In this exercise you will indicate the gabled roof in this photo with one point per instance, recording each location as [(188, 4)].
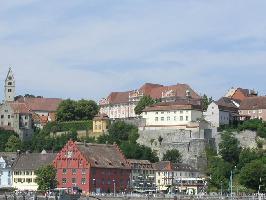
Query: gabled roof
[(18, 107), (226, 103), (41, 104), (252, 103), (177, 105), (32, 161), (103, 155), (9, 157), (155, 91)]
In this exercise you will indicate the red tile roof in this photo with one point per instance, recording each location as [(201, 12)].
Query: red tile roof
[(41, 104), (253, 103), (18, 107), (103, 155), (155, 91), (168, 106)]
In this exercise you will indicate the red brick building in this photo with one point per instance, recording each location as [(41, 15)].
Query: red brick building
[(92, 167)]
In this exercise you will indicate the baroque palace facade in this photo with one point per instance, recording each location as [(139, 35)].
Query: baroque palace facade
[(121, 105)]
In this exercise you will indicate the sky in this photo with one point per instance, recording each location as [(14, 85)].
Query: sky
[(89, 48)]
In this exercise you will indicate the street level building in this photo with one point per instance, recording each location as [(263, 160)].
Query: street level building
[(177, 177), (24, 177), (92, 167), (142, 178), (7, 160)]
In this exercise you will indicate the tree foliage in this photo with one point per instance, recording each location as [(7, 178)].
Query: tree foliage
[(144, 101), (126, 135), (229, 148), (70, 110), (206, 102), (172, 155), (4, 135), (253, 174), (46, 178), (13, 144)]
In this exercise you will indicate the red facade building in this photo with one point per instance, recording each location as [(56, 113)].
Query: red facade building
[(92, 167)]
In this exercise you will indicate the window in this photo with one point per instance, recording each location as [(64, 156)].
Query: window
[(73, 180), (175, 118), (186, 118), (181, 118), (9, 83), (156, 113), (162, 118), (8, 116), (181, 111), (2, 116), (26, 117), (260, 111), (175, 112), (156, 119), (64, 181), (9, 90), (83, 171), (74, 171), (254, 111), (28, 180), (83, 181), (64, 171), (248, 111), (26, 123), (168, 118), (162, 112), (9, 123)]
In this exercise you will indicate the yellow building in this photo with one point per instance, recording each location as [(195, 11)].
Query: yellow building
[(100, 123), (24, 177)]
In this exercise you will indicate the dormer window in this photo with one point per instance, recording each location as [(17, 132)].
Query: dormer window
[(9, 83), (96, 163)]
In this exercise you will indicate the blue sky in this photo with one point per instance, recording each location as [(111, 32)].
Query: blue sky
[(88, 48)]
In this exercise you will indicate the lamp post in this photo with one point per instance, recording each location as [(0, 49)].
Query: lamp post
[(231, 183), (94, 185), (114, 187), (221, 188)]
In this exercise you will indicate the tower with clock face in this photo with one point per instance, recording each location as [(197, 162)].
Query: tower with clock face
[(10, 86)]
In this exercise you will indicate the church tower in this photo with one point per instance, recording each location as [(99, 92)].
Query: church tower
[(10, 86)]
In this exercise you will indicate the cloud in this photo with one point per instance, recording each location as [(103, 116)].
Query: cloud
[(86, 49)]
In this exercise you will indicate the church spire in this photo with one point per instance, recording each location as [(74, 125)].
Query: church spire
[(10, 86)]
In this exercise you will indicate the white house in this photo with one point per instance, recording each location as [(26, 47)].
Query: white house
[(172, 115), (6, 163), (177, 177), (222, 112)]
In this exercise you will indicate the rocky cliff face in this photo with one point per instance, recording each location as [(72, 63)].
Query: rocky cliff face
[(190, 144)]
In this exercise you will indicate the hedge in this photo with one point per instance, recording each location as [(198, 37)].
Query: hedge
[(67, 126)]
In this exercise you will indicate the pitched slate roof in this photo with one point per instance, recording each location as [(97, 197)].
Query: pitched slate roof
[(169, 166), (9, 157), (226, 103), (252, 103), (103, 155), (177, 105), (32, 161), (41, 104), (153, 90), (140, 164)]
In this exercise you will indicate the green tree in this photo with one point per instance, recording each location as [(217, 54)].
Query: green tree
[(66, 110), (86, 109), (119, 131), (70, 110), (253, 174), (144, 101), (206, 102), (229, 148), (4, 135), (247, 155), (172, 155), (13, 144), (46, 178)]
